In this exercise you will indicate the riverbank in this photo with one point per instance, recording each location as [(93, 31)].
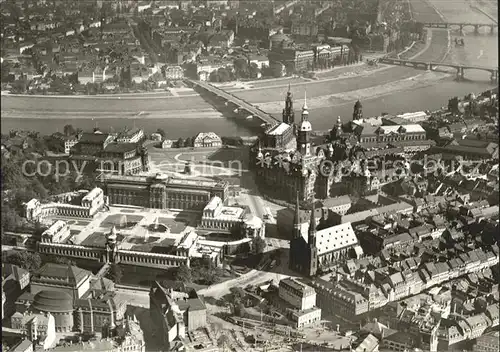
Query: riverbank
[(97, 115), (418, 80)]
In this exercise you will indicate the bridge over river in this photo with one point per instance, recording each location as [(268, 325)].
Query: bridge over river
[(241, 105), (461, 26), (433, 66)]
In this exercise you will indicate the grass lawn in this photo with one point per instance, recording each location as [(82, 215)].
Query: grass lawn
[(117, 219), (164, 246), (98, 239), (230, 156), (176, 225)]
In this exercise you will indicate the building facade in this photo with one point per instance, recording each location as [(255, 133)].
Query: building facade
[(207, 140), (175, 312), (284, 170), (323, 248), (163, 192)]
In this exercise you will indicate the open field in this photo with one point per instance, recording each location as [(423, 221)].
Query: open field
[(320, 88), (98, 105), (204, 163)]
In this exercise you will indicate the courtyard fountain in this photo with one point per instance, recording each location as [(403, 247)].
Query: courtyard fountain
[(157, 227)]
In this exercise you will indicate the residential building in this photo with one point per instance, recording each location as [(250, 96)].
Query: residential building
[(99, 151), (174, 73), (302, 299), (36, 327), (130, 135), (298, 294), (488, 342), (469, 149), (305, 28), (175, 311), (167, 144), (207, 140), (14, 281), (294, 59)]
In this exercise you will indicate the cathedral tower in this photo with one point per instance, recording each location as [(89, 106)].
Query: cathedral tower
[(357, 114), (304, 132), (311, 243), (288, 113)]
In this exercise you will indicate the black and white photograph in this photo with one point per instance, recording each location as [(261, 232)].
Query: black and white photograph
[(249, 175)]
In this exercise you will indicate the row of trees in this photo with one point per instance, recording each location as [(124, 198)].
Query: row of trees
[(200, 273)]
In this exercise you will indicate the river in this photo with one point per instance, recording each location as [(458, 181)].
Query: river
[(479, 50)]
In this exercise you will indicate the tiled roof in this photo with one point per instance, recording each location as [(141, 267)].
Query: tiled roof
[(62, 271), (335, 238), (93, 138)]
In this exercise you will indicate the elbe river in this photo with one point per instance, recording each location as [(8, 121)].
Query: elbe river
[(479, 50)]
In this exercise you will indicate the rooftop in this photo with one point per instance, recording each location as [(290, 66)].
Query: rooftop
[(297, 285), (62, 272), (335, 238)]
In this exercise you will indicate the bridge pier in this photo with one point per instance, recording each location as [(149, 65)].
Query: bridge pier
[(476, 29), (461, 28), (494, 76), (428, 66), (460, 73), (492, 30)]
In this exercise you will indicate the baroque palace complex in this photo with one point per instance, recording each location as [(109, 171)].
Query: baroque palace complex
[(290, 158)]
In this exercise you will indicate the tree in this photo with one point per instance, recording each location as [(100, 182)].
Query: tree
[(69, 130), (184, 274), (180, 143), (162, 132), (24, 259), (20, 86), (224, 75), (239, 309), (258, 245), (10, 219), (115, 273), (214, 77), (253, 70), (189, 142), (223, 341)]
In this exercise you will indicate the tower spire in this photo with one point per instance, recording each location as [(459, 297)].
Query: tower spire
[(305, 102), (312, 221)]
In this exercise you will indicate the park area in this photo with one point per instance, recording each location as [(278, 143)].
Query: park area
[(210, 162)]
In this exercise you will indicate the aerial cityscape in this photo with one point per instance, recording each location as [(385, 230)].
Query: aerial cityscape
[(254, 175)]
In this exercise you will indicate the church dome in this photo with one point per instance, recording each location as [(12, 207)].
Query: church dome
[(53, 302)]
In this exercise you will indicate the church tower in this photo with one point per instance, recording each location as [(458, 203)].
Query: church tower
[(304, 132), (288, 113), (298, 244), (311, 243), (336, 130), (296, 220), (357, 114)]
